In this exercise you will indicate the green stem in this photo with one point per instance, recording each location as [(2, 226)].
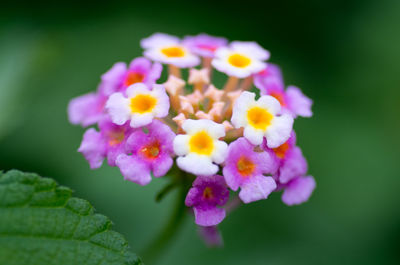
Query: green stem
[(156, 248)]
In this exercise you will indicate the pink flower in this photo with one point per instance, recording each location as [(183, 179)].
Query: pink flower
[(150, 153), (291, 169), (89, 109), (120, 76), (245, 168), (108, 142), (204, 45), (207, 193), (292, 100), (289, 160)]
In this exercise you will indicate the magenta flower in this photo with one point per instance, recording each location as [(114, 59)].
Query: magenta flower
[(293, 101), (204, 44), (120, 76), (292, 166), (270, 77), (150, 153), (289, 160), (245, 167), (207, 193), (108, 142), (89, 109)]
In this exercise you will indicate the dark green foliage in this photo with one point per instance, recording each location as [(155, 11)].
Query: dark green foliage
[(40, 223)]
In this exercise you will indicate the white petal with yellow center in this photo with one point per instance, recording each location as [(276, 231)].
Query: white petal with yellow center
[(260, 119), (174, 54), (240, 63), (199, 148), (140, 106)]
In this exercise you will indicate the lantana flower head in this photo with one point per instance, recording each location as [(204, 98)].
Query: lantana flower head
[(168, 49), (240, 59), (144, 126)]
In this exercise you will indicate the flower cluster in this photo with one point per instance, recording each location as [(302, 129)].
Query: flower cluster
[(230, 138)]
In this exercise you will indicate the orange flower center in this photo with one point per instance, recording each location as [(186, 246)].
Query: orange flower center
[(245, 166), (279, 96), (133, 78), (152, 150), (281, 150), (142, 103), (115, 137)]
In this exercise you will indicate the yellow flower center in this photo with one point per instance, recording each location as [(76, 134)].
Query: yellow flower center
[(208, 193), (143, 103), (281, 150), (201, 143), (152, 150), (174, 51), (239, 60), (245, 166), (115, 137), (259, 118)]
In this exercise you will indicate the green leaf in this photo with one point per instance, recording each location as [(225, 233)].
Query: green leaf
[(40, 223)]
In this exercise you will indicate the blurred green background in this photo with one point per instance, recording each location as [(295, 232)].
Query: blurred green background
[(345, 55)]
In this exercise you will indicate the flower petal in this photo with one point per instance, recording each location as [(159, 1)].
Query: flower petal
[(134, 169), (257, 188), (279, 130), (208, 216), (298, 190)]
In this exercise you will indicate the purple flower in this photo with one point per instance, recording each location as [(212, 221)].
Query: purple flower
[(245, 167), (207, 193), (290, 160), (108, 142), (150, 153), (211, 236), (298, 190), (203, 44), (292, 100)]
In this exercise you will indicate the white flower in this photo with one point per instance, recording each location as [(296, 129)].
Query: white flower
[(140, 106), (200, 147), (241, 59), (168, 49), (259, 118)]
